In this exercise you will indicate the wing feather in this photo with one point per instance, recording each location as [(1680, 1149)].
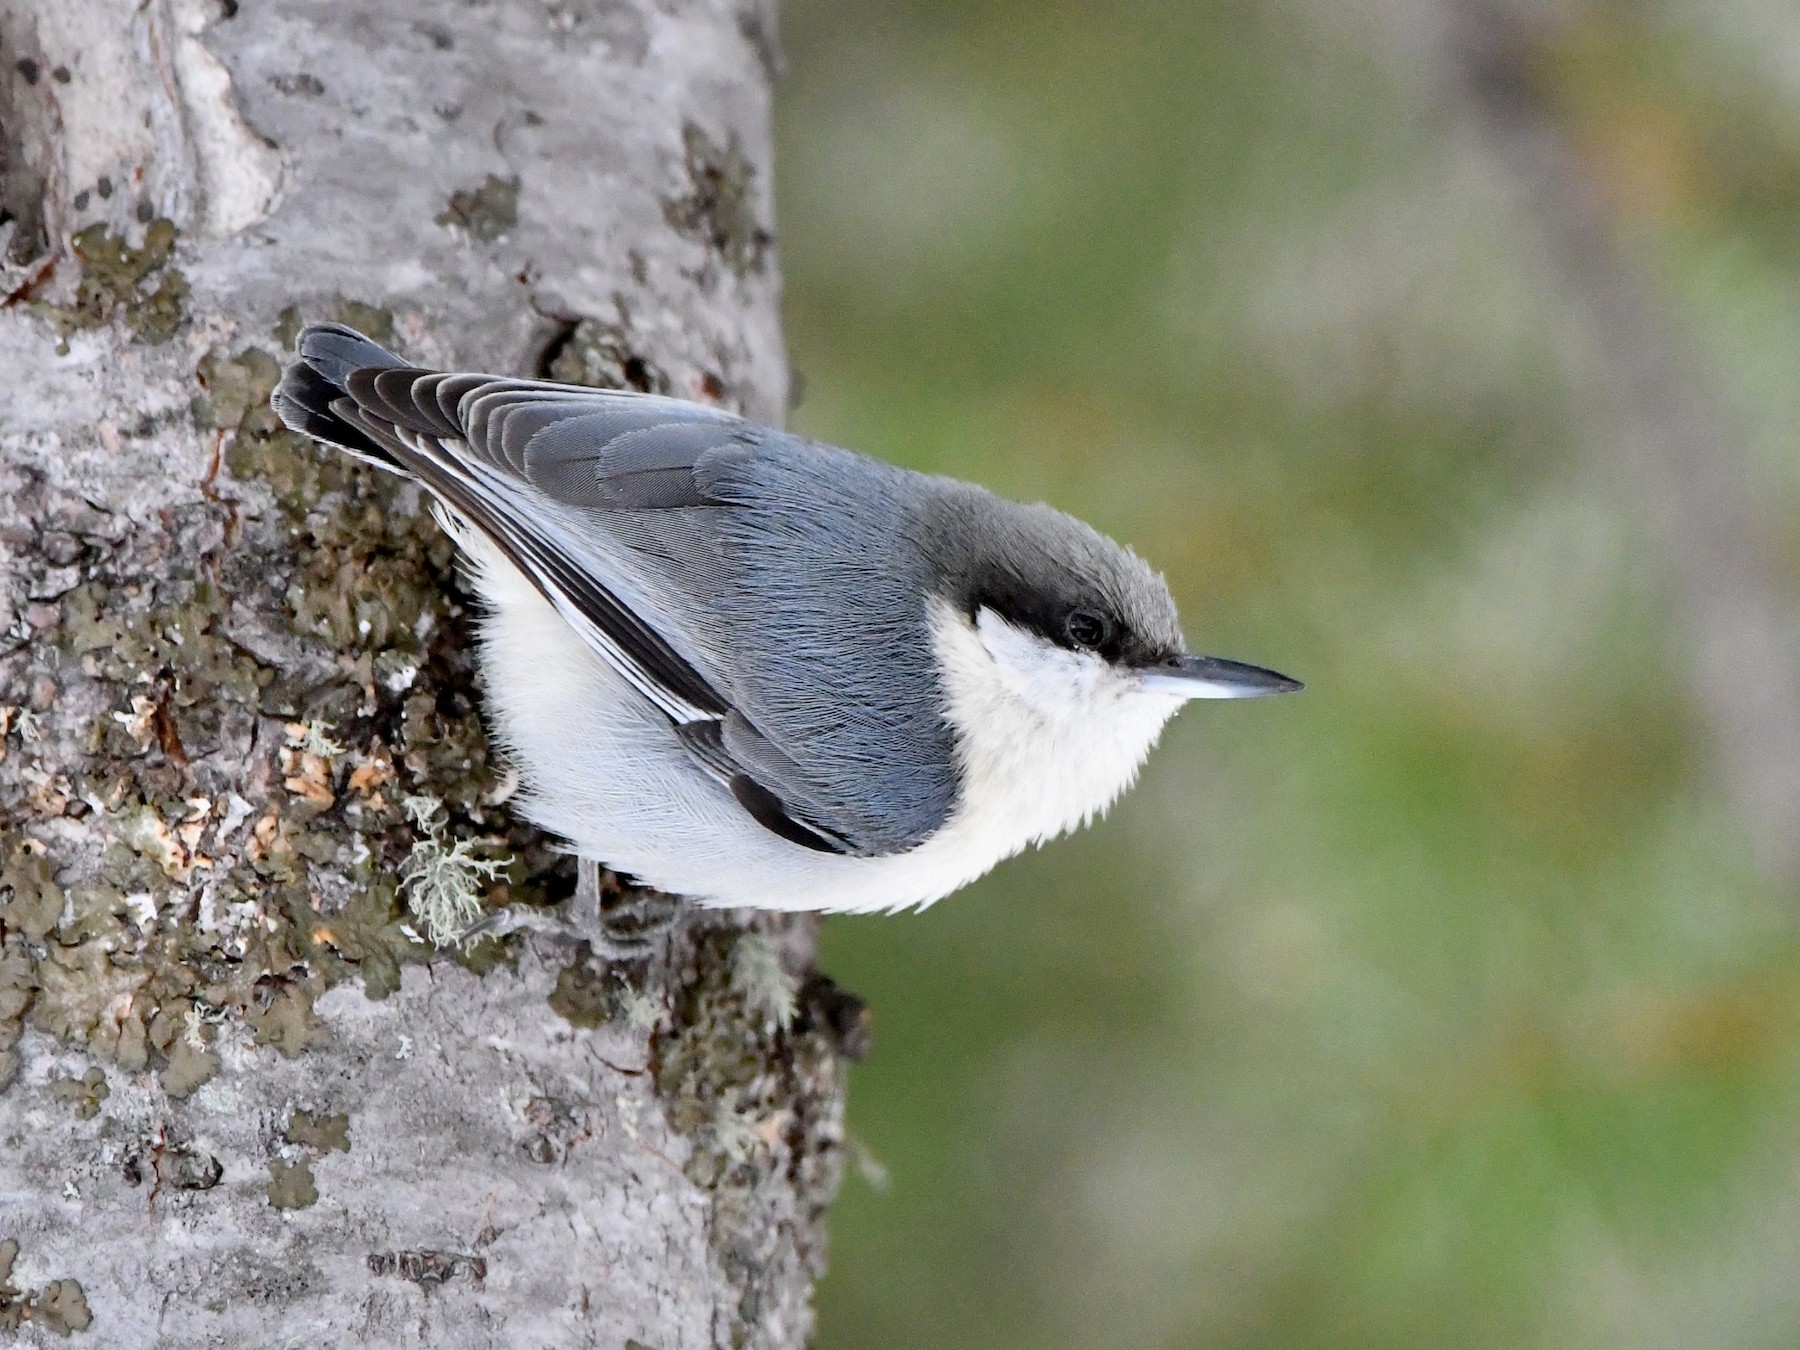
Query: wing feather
[(627, 512)]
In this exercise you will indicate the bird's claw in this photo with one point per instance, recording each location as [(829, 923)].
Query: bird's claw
[(626, 925)]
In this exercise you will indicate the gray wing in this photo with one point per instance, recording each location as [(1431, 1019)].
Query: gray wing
[(670, 535)]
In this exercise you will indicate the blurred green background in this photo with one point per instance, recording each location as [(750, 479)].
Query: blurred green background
[(1441, 1005)]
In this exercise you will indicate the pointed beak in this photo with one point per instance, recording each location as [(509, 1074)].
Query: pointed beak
[(1214, 677)]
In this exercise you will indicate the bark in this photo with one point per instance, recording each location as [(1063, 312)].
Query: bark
[(241, 1102)]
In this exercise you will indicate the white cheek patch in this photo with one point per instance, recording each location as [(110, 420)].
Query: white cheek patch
[(1047, 737), (1051, 680)]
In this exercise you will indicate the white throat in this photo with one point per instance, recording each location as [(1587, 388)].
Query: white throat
[(1047, 737)]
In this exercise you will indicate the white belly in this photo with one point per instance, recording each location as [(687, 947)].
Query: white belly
[(602, 768)]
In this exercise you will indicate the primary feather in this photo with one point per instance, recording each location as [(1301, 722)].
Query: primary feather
[(704, 558)]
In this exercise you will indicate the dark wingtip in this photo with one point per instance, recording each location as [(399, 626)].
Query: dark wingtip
[(768, 811), (338, 351), (329, 354)]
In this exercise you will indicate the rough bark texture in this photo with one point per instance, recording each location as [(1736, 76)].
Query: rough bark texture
[(241, 1103)]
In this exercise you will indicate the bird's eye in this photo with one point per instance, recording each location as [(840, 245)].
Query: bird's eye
[(1088, 628)]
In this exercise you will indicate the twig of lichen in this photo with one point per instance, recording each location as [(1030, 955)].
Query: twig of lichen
[(442, 879), (763, 980), (314, 738)]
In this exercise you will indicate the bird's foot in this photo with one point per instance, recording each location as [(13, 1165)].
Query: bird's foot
[(632, 922), (521, 919), (619, 923)]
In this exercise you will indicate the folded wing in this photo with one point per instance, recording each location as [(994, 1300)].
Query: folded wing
[(638, 519)]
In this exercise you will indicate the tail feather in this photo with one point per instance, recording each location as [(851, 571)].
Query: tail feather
[(355, 394), (330, 356), (337, 352)]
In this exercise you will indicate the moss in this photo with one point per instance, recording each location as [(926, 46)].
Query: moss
[(292, 1185), (116, 283), (486, 212), (84, 1093)]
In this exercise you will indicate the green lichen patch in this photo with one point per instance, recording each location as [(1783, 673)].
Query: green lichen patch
[(286, 1021), (84, 1093), (116, 283), (34, 902), (265, 676), (288, 326), (59, 1307), (486, 212), (18, 986), (190, 1067), (372, 320), (726, 1070), (292, 1185), (719, 207), (62, 1308), (761, 978), (320, 1133), (234, 386), (588, 995), (81, 992), (757, 1095)]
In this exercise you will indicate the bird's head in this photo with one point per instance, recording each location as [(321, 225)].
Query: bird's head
[(1071, 620)]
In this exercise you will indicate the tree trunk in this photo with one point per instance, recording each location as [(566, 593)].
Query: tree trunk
[(243, 1102)]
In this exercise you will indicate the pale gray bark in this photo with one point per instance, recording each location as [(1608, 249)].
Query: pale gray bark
[(240, 1103)]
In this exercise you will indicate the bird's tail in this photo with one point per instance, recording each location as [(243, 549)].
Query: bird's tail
[(313, 396)]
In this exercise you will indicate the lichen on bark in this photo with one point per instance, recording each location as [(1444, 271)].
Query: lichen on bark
[(236, 672), (261, 693)]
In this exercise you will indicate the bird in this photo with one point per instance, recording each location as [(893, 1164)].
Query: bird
[(754, 670)]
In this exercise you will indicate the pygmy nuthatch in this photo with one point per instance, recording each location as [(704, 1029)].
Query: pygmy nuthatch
[(752, 669)]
